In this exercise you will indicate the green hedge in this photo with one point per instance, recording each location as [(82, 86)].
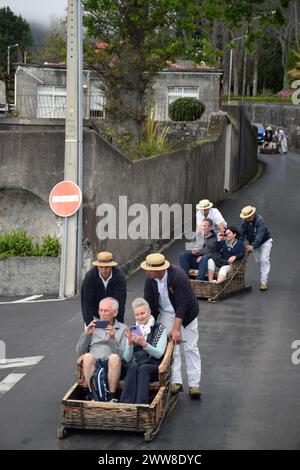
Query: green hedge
[(20, 243), (260, 99), (186, 109)]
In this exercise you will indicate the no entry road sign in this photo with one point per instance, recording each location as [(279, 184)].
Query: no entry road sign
[(65, 198)]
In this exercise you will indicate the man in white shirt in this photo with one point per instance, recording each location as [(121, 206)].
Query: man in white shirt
[(173, 302), (205, 209)]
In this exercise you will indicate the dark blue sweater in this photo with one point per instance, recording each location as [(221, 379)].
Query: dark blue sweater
[(256, 232), (93, 290), (225, 251)]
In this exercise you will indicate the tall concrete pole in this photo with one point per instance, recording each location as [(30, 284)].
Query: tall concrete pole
[(72, 138), (230, 73), (80, 140)]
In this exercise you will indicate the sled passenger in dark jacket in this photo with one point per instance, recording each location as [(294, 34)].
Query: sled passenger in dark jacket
[(228, 251), (103, 280)]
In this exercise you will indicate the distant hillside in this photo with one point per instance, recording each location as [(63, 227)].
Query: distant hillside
[(39, 31)]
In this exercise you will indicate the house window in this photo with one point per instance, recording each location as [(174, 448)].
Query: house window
[(51, 102), (175, 92), (97, 102)]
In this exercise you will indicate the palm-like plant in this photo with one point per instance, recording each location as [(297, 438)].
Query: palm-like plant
[(295, 72)]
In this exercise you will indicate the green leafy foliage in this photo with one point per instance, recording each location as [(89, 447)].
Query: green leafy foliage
[(129, 42), (186, 109), (20, 243), (153, 141), (13, 30)]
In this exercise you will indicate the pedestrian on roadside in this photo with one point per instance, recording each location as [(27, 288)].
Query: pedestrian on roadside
[(281, 139)]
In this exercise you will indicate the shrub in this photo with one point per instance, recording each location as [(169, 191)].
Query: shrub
[(186, 109), (153, 142), (20, 243), (286, 93)]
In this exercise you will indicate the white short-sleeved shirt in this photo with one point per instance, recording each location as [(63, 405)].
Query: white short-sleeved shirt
[(213, 214)]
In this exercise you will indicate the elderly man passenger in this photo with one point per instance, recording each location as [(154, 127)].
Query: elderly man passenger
[(205, 245), (105, 345)]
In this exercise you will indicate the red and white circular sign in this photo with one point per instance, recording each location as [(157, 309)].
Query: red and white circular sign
[(65, 198)]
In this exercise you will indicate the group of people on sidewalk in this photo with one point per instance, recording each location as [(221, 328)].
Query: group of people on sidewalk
[(169, 307)]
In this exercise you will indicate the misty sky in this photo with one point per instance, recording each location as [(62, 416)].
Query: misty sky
[(36, 10)]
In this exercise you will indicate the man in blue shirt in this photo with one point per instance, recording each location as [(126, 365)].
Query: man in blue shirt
[(254, 229)]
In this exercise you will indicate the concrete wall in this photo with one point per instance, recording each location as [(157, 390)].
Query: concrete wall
[(285, 115), (20, 208), (29, 275), (33, 160)]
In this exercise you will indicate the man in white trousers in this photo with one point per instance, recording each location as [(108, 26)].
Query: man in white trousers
[(173, 302), (254, 229)]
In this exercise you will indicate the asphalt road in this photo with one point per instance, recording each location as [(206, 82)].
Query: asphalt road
[(250, 386)]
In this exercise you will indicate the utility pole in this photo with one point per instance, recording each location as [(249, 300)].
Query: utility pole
[(8, 57), (73, 144), (230, 65)]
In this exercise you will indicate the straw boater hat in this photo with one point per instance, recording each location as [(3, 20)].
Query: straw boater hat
[(204, 204), (155, 262), (105, 258), (247, 212), (269, 128)]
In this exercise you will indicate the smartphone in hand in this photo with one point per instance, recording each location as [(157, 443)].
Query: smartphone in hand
[(101, 323), (136, 330)]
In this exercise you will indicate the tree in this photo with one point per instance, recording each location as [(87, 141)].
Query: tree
[(130, 40), (13, 30)]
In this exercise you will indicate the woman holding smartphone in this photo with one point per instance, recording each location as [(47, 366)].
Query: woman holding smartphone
[(146, 344)]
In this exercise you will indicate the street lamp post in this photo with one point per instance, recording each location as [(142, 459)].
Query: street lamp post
[(8, 56), (230, 66)]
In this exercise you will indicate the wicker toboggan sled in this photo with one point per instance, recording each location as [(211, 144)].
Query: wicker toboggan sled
[(214, 292), (79, 413)]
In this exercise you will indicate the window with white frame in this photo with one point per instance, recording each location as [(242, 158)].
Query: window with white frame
[(97, 101), (51, 101), (175, 92)]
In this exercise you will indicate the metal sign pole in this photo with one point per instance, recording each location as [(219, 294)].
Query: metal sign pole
[(63, 260)]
